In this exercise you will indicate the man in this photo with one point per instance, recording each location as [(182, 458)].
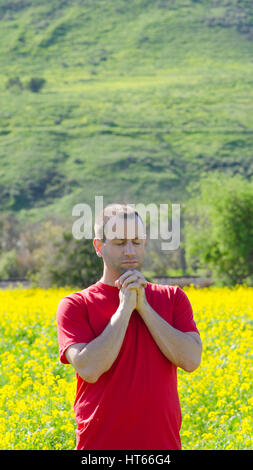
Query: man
[(125, 338)]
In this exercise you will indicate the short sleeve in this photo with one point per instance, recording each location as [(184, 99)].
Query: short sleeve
[(72, 324), (182, 312)]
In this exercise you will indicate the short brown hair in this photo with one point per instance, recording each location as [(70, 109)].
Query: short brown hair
[(110, 211)]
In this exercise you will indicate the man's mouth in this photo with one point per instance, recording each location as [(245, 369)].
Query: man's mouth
[(129, 262)]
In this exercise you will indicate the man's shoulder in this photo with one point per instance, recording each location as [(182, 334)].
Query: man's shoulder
[(79, 296), (163, 289), (76, 296), (73, 303)]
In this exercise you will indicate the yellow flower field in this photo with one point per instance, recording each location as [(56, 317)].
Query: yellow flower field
[(37, 392)]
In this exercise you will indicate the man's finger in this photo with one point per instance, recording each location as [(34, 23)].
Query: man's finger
[(140, 279), (124, 276)]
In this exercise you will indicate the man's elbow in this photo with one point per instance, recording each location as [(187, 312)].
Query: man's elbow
[(84, 370), (88, 376), (191, 365), (90, 379)]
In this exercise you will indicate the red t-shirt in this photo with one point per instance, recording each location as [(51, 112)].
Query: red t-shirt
[(135, 404)]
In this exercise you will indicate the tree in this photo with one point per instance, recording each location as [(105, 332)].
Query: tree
[(25, 248), (162, 263), (9, 230), (219, 228), (14, 82), (8, 265), (74, 263), (35, 84)]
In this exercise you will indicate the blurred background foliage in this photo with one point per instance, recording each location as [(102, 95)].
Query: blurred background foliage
[(139, 101)]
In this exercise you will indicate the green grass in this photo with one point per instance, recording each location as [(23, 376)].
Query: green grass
[(139, 99)]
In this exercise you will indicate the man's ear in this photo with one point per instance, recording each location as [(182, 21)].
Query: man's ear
[(98, 246)]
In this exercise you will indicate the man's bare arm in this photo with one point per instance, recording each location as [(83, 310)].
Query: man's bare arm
[(91, 360), (183, 349)]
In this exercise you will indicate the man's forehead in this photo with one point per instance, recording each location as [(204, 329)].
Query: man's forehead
[(119, 229)]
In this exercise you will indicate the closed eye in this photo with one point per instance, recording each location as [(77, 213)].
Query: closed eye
[(123, 242)]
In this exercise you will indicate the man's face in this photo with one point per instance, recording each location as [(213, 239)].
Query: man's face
[(125, 249)]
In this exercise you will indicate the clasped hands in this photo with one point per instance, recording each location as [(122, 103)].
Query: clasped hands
[(140, 290)]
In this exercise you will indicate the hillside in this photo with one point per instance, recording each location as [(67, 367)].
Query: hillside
[(139, 98)]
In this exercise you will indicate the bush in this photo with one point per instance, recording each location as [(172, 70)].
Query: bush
[(8, 265), (14, 82), (219, 228), (35, 84), (73, 263)]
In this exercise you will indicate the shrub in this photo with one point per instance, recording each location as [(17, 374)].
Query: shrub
[(35, 84), (14, 82), (73, 262)]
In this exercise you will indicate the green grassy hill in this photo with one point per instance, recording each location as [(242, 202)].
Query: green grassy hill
[(140, 97)]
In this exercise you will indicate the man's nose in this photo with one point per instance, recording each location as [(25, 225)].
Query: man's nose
[(129, 248)]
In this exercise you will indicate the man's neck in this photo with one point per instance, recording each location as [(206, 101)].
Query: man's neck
[(109, 281)]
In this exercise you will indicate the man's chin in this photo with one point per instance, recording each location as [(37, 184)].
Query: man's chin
[(128, 267)]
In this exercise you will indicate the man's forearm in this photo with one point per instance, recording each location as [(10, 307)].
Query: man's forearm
[(98, 356), (180, 348)]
